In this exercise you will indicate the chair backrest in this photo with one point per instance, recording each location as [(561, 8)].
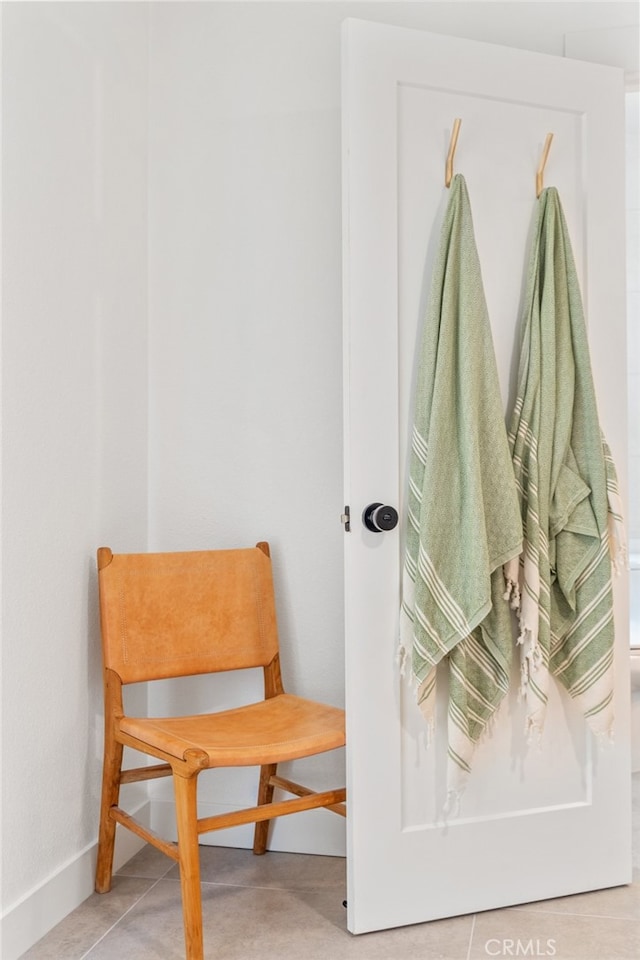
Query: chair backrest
[(175, 614)]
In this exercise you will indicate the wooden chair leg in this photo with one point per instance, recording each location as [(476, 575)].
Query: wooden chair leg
[(189, 860), (107, 833), (265, 795)]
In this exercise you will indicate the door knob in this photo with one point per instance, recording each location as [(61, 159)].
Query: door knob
[(378, 517)]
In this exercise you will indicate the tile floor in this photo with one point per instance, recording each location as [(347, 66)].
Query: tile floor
[(290, 906)]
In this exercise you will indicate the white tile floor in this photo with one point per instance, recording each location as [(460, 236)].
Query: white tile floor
[(290, 906)]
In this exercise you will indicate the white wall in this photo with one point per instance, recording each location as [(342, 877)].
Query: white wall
[(245, 333), (245, 310), (74, 412)]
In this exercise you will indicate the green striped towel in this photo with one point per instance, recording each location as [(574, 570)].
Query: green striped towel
[(567, 487), (463, 519)]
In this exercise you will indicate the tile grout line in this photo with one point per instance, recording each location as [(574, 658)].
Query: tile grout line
[(121, 917), (257, 886), (170, 867), (570, 913), (473, 927)]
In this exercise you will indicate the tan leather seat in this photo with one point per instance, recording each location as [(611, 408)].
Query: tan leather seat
[(282, 728), (176, 614)]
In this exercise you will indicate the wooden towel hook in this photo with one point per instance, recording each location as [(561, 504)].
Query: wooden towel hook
[(453, 143), (542, 165)]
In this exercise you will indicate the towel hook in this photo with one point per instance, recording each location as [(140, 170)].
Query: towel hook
[(543, 163), (453, 143)]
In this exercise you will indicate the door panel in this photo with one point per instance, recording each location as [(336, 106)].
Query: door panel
[(525, 808)]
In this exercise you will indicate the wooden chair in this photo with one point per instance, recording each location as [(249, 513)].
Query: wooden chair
[(177, 614)]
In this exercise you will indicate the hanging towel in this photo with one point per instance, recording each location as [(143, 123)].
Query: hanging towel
[(567, 488), (463, 518)]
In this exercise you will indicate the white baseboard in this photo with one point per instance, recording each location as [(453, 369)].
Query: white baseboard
[(27, 921), (312, 831)]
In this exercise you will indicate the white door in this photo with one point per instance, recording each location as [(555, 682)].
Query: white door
[(534, 823)]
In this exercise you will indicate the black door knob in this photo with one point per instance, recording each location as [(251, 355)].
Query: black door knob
[(378, 517)]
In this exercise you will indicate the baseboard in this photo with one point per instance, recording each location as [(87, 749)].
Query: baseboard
[(27, 921), (312, 831)]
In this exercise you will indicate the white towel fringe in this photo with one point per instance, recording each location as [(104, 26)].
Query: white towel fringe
[(605, 738), (533, 731), (429, 732), (403, 662), (451, 806), (618, 554), (512, 593), (615, 524), (489, 727), (401, 659), (531, 658)]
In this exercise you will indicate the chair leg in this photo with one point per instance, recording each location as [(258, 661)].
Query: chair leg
[(265, 795), (189, 859), (107, 833)]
